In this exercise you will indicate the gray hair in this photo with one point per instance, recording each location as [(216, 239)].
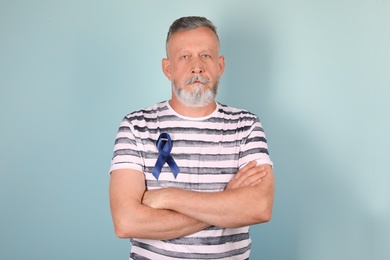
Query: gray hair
[(189, 23)]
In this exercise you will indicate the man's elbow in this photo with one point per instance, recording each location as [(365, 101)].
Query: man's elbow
[(263, 216), (254, 217), (121, 233), (123, 230)]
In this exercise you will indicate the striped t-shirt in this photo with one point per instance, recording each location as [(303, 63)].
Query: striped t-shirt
[(208, 151)]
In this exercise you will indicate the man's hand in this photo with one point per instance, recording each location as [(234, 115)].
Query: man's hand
[(249, 175)]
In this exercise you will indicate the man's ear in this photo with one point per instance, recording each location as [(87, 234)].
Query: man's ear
[(166, 68), (221, 65)]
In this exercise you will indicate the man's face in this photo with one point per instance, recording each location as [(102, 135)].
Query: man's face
[(194, 53)]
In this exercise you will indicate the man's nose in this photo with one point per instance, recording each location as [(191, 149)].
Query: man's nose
[(197, 67), (197, 70)]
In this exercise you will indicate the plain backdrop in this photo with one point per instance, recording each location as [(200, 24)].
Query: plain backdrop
[(317, 73)]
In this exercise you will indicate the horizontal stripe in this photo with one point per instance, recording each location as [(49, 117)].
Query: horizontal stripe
[(183, 255), (210, 240)]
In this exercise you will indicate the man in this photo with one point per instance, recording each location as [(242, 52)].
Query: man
[(189, 175)]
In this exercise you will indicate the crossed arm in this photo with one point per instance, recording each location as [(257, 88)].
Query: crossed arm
[(171, 213)]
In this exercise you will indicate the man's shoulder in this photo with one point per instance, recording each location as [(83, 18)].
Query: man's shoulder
[(227, 110), (150, 111)]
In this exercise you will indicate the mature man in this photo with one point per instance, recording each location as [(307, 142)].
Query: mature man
[(189, 175)]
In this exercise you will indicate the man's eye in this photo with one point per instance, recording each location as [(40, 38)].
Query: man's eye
[(184, 57), (205, 56)]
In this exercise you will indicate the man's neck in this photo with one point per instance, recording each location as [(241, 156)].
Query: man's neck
[(187, 111)]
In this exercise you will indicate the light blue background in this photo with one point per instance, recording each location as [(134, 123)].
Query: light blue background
[(317, 73)]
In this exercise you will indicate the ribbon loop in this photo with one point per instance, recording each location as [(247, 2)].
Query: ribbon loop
[(164, 147)]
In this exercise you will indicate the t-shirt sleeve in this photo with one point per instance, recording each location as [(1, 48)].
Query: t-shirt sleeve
[(127, 154), (255, 146)]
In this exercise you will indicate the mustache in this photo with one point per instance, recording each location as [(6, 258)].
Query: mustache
[(196, 78)]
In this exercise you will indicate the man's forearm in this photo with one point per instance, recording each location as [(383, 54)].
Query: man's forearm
[(149, 223), (230, 208), (132, 219)]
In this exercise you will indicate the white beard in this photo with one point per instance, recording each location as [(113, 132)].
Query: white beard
[(198, 96)]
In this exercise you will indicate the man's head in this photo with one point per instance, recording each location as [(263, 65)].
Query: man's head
[(193, 64), (189, 23)]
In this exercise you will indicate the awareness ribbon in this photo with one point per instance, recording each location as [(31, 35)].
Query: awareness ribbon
[(164, 147)]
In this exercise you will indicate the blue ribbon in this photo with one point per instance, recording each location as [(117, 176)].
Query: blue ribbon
[(164, 147)]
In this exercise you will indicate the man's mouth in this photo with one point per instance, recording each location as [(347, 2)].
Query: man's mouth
[(196, 80)]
